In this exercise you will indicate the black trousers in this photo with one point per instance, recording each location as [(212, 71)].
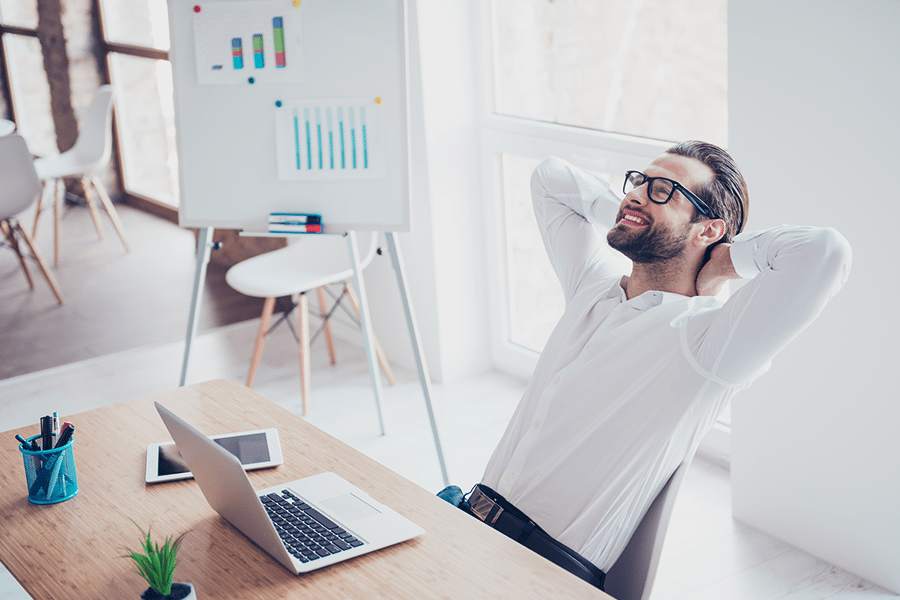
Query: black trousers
[(516, 525)]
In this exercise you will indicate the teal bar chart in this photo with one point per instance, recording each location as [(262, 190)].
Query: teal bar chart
[(328, 139)]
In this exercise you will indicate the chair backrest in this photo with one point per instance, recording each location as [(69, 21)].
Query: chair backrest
[(20, 185), (330, 251), (94, 144), (631, 578)]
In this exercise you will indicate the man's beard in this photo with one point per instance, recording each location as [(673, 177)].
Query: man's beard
[(650, 245)]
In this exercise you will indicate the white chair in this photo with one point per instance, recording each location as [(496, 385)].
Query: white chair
[(85, 160), (631, 578), (309, 263), (20, 187)]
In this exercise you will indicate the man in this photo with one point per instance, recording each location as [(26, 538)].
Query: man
[(639, 365)]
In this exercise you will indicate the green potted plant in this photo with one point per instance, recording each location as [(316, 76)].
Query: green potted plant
[(156, 564)]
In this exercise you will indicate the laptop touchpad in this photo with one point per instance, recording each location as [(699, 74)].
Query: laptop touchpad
[(348, 508)]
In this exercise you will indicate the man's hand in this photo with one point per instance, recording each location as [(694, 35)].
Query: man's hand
[(717, 270)]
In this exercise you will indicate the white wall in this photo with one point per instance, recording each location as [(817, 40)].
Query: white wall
[(444, 251), (814, 94)]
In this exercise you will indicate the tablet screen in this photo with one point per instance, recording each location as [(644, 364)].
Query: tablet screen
[(249, 449)]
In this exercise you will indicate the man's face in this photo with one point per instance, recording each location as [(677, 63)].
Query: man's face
[(666, 229)]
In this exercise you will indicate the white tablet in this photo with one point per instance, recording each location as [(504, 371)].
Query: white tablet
[(256, 449)]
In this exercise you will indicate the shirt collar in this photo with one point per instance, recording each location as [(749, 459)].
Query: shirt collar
[(648, 299)]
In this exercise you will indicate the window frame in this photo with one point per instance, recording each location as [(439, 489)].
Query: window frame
[(7, 86), (106, 48), (501, 133)]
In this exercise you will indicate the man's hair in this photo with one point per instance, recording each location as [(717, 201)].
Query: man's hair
[(726, 193)]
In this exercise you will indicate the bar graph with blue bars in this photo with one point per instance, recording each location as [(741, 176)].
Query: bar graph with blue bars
[(331, 139)]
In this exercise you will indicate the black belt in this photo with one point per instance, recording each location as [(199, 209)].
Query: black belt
[(488, 506)]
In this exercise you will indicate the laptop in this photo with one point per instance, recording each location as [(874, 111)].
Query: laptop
[(304, 524)]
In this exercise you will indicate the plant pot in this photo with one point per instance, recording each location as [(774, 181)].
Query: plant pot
[(180, 591)]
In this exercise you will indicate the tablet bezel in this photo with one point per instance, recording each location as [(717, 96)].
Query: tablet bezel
[(272, 441)]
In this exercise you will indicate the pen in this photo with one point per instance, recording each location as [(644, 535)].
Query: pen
[(54, 433), (23, 441)]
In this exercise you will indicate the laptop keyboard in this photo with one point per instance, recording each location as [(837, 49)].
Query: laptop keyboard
[(308, 534)]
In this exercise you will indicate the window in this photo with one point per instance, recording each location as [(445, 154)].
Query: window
[(136, 40), (607, 85), (651, 68), (30, 93)]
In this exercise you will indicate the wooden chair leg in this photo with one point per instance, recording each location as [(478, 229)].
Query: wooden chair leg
[(59, 195), (39, 207), (323, 311), (379, 353), (51, 281), (92, 206), (264, 319), (110, 210), (14, 244), (303, 333)]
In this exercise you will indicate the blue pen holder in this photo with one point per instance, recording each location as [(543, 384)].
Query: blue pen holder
[(50, 474)]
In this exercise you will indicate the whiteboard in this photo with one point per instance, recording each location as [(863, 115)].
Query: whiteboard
[(291, 105)]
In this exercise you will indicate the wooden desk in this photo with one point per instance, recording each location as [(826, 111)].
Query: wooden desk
[(74, 549)]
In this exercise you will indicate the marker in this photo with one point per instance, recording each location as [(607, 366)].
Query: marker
[(295, 219), (54, 432), (281, 228), (66, 435), (46, 432)]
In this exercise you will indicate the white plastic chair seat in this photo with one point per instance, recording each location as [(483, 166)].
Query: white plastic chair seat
[(67, 164), (304, 265)]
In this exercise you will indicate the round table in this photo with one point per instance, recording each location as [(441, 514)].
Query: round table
[(6, 127)]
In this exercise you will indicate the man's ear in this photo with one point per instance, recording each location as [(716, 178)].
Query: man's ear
[(713, 231)]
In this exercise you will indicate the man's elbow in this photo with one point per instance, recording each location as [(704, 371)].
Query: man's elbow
[(546, 171), (836, 255)]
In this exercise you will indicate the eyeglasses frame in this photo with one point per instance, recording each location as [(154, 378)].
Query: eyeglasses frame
[(694, 199)]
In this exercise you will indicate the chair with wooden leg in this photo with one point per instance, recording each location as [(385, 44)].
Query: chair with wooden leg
[(311, 263), (19, 190), (86, 160)]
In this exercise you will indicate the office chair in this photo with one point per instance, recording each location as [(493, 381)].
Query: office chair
[(631, 578), (85, 160), (19, 189)]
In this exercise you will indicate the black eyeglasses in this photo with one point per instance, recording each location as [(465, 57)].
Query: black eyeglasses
[(660, 190)]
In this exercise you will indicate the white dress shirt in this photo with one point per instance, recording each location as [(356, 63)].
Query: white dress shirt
[(625, 390)]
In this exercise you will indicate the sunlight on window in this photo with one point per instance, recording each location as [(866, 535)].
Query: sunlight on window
[(535, 297), (143, 89), (651, 68), (137, 22)]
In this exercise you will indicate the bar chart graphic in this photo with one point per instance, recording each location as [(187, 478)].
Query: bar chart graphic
[(247, 42), (329, 139)]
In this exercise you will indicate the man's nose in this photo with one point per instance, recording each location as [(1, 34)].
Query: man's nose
[(637, 196)]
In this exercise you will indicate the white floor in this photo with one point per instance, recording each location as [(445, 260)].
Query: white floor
[(707, 555)]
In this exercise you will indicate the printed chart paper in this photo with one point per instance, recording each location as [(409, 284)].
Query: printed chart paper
[(329, 139), (247, 42)]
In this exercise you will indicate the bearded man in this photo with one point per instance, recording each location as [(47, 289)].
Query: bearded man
[(639, 366)]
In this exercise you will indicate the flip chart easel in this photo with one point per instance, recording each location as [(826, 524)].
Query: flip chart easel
[(205, 245), (249, 76)]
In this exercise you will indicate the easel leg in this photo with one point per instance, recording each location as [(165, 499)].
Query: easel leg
[(366, 324), (424, 378), (204, 242)]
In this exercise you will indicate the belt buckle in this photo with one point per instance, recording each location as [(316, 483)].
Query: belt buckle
[(484, 508)]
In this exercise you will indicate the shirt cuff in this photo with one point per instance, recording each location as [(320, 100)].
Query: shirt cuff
[(743, 258)]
